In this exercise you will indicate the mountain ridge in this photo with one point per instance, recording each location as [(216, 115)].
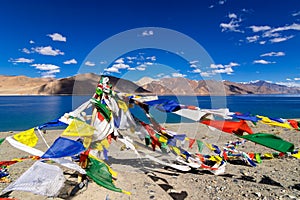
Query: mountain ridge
[(85, 84)]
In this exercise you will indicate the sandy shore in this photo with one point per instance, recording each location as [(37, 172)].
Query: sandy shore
[(277, 178)]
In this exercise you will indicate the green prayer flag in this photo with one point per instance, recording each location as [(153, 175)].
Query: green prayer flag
[(99, 172), (257, 158), (271, 141), (102, 108), (2, 140), (200, 145)]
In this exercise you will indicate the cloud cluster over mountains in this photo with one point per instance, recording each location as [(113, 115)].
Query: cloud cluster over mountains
[(45, 69)]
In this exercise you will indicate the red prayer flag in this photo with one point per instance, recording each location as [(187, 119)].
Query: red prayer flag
[(191, 142), (229, 126)]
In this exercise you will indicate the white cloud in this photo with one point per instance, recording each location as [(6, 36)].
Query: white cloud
[(220, 66), (89, 63), (152, 58), (289, 84), (294, 26), (260, 28), (264, 62), (270, 35), (72, 61), (46, 67), (288, 79), (31, 42), (57, 37), (214, 66), (296, 14), (221, 2), (148, 33), (25, 50), (141, 68), (112, 69), (48, 51), (281, 39), (297, 79), (131, 69), (121, 66), (252, 38), (193, 62), (131, 58), (273, 54), (148, 63), (116, 67), (120, 60), (233, 25), (196, 71), (232, 16), (103, 62), (223, 69), (205, 74), (21, 60), (160, 75), (178, 75), (262, 42), (50, 73), (227, 70)]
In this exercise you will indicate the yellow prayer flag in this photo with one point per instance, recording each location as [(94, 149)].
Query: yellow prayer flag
[(210, 146), (215, 158), (296, 155), (27, 137), (176, 150), (103, 143), (123, 105), (268, 155), (163, 139), (78, 128)]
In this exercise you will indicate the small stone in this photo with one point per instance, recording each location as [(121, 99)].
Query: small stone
[(258, 194), (208, 187)]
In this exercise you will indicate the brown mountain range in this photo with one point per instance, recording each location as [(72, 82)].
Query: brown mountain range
[(84, 84), (183, 86)]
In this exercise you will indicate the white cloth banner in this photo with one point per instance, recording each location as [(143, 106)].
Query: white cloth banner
[(40, 178)]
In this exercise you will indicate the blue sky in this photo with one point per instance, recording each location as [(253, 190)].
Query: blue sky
[(225, 39)]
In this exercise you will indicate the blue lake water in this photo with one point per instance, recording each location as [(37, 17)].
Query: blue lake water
[(24, 112)]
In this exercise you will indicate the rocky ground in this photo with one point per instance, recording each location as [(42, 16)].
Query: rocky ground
[(277, 178)]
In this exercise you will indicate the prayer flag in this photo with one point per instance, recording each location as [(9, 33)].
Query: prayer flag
[(200, 145), (99, 172), (191, 142), (78, 128), (63, 147), (271, 141), (27, 137), (229, 126), (1, 140), (257, 158), (41, 178)]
